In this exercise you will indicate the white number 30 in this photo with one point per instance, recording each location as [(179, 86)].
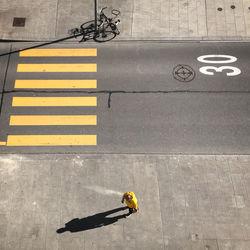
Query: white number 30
[(229, 59), (205, 70)]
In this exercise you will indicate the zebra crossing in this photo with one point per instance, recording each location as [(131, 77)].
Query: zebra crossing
[(45, 111)]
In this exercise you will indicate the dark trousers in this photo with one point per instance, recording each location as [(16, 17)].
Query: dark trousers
[(130, 210)]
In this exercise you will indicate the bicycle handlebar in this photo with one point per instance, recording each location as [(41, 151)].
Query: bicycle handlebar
[(101, 11), (102, 16)]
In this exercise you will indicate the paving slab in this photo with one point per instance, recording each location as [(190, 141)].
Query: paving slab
[(41, 193), (40, 23), (141, 19)]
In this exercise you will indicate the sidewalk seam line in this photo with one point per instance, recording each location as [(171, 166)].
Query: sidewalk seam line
[(132, 22), (162, 227), (206, 16), (56, 16)]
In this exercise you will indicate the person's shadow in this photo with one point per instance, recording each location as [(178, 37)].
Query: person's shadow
[(91, 222)]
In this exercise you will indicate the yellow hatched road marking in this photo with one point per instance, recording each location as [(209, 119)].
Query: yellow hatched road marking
[(58, 52), (2, 143), (51, 140), (39, 120), (53, 101), (72, 67), (55, 84)]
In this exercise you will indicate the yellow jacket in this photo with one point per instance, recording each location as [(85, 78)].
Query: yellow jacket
[(131, 203)]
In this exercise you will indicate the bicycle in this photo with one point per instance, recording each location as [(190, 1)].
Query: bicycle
[(106, 28)]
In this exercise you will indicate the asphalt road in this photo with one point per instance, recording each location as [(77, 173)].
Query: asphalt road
[(141, 106)]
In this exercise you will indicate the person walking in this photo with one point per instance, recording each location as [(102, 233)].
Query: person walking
[(131, 202)]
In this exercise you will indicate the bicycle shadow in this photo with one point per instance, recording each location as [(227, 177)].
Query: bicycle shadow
[(93, 221)]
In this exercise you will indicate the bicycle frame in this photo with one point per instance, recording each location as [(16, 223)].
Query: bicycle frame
[(106, 28), (109, 20)]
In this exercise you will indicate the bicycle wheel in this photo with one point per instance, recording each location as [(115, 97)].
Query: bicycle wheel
[(90, 25), (104, 36), (88, 36)]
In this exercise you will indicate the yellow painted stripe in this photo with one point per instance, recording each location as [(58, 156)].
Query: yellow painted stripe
[(73, 67), (51, 140), (55, 84), (2, 143), (53, 101), (39, 120), (58, 52)]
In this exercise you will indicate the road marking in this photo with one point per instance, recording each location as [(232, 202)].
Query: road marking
[(48, 101), (40, 120), (58, 52), (53, 101), (73, 67), (230, 59), (56, 84), (51, 140)]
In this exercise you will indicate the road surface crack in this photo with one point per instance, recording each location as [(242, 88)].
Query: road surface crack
[(111, 92)]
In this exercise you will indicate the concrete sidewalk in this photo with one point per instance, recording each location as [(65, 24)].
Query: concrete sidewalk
[(141, 19), (186, 202)]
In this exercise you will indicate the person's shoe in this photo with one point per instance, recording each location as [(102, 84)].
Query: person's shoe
[(126, 215)]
